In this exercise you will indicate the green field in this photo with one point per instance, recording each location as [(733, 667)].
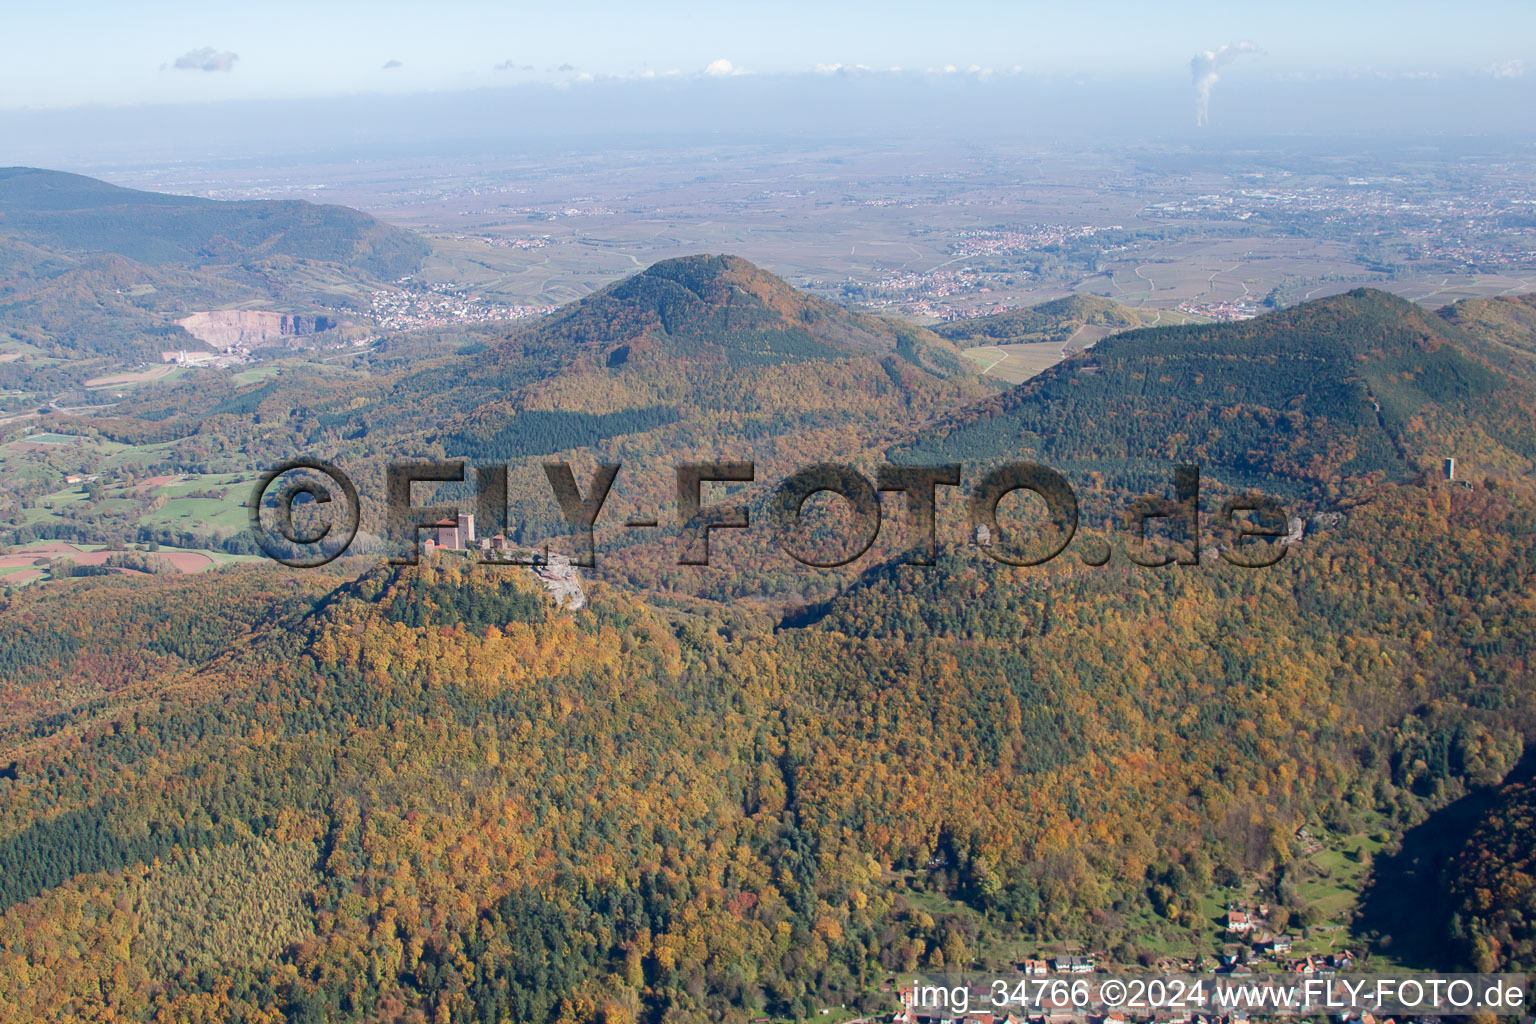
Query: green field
[(225, 514), (18, 347), (203, 504), (257, 373), (222, 515)]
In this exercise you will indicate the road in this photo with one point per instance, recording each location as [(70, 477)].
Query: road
[(993, 362)]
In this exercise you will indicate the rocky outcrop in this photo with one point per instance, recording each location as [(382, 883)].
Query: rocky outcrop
[(225, 329)]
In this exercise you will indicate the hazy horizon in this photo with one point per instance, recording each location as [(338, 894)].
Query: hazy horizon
[(1021, 109), (95, 85)]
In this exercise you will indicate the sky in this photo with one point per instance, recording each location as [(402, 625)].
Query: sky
[(105, 52)]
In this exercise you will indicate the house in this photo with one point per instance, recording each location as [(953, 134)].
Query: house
[(1316, 967), (1240, 922), (1073, 965)]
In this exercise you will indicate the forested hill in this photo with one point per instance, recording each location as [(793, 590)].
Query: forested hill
[(1056, 320), (429, 792), (1506, 327), (74, 212), (714, 338), (88, 269), (1356, 385), (719, 311), (1490, 884)]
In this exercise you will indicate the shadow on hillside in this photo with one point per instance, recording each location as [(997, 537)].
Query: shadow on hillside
[(1403, 911)]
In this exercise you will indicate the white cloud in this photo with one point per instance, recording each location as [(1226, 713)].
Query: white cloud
[(206, 58), (842, 70)]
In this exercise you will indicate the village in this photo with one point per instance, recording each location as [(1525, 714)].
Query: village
[(996, 1004), (412, 306), (1081, 987), (1073, 989)]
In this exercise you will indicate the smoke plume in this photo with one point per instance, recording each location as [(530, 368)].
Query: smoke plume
[(1203, 65)]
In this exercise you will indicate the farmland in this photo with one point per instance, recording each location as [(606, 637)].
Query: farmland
[(41, 560), (87, 492), (1016, 363), (123, 380)]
